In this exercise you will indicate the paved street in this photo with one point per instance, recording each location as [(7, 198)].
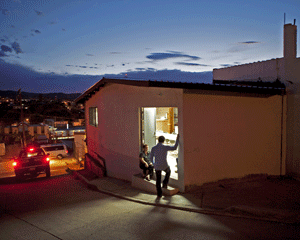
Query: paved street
[(63, 208), (57, 167)]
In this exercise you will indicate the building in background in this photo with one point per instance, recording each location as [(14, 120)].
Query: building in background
[(287, 71)]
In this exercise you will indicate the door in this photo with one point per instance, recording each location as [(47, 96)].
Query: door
[(150, 127)]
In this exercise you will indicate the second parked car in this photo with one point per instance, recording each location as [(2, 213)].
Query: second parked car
[(58, 150)]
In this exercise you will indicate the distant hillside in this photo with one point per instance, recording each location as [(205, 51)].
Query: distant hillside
[(27, 95)]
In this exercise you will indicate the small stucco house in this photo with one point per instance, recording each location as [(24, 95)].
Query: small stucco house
[(245, 122), (225, 130)]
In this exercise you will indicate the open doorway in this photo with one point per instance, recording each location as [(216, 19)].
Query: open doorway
[(161, 121)]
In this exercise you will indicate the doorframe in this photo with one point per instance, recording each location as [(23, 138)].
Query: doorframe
[(142, 137)]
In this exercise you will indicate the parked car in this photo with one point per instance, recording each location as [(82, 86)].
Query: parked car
[(32, 161), (58, 150)]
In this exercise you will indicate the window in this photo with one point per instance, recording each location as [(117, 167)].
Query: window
[(93, 115)]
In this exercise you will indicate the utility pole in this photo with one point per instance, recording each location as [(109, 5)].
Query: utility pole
[(22, 117)]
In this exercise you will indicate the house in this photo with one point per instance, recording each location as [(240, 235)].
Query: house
[(287, 71), (225, 130), (35, 130)]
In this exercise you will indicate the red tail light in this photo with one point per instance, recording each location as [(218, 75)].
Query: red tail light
[(31, 149), (15, 164), (47, 159), (66, 151)]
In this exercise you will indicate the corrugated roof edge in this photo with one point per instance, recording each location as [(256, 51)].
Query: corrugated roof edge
[(267, 88)]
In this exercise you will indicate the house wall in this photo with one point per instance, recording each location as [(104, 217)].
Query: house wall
[(117, 138), (287, 70), (267, 71), (231, 136)]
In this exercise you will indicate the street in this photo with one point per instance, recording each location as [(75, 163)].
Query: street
[(57, 167), (63, 208)]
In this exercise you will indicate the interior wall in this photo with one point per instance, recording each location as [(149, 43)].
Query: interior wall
[(230, 137)]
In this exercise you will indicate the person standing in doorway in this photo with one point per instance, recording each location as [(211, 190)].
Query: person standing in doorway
[(158, 156)]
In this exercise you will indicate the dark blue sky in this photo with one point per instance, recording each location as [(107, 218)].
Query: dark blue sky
[(59, 45)]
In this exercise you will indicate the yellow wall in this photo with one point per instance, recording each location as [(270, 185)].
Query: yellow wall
[(230, 136)]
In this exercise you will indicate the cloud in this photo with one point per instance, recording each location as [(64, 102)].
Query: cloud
[(2, 54), (191, 64), (36, 31), (63, 29), (115, 53), (16, 47), (15, 77), (5, 48), (242, 46), (39, 13), (249, 42), (90, 55), (4, 11), (170, 55), (225, 65), (166, 75), (236, 49)]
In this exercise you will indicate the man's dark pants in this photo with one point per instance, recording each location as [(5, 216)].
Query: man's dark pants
[(165, 181)]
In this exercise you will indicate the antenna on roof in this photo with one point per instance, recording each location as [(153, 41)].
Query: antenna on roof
[(294, 21), (284, 18)]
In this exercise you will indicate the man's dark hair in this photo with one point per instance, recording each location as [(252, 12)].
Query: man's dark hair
[(161, 139)]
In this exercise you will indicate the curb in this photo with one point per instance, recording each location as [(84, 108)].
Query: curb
[(235, 211)]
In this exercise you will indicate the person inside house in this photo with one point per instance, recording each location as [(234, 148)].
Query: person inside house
[(158, 156), (145, 163)]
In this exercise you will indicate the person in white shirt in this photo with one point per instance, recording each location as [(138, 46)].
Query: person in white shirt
[(158, 156)]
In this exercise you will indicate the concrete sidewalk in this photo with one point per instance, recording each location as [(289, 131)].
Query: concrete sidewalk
[(260, 197)]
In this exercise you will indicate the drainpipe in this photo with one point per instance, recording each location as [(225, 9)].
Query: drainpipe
[(281, 137)]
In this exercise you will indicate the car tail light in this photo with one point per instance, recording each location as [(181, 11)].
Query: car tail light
[(47, 159), (15, 164), (66, 151), (31, 149)]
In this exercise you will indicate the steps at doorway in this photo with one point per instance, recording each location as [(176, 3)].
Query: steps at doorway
[(150, 186)]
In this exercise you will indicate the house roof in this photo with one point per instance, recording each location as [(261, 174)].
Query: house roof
[(264, 88)]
